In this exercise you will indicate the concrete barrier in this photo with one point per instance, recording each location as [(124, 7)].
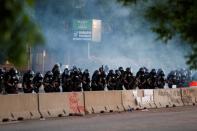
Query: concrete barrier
[(61, 104), (103, 101), (75, 102), (167, 97), (18, 107), (129, 101), (189, 95), (144, 98)]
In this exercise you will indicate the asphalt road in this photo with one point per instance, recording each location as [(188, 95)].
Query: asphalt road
[(166, 119)]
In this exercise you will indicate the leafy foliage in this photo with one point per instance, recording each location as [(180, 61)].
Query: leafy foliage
[(171, 18), (18, 31)]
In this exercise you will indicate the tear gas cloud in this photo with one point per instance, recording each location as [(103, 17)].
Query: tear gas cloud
[(126, 36)]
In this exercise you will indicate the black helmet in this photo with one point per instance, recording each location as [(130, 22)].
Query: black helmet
[(66, 71), (56, 69), (117, 72), (173, 73), (120, 68), (56, 66), (128, 69), (96, 72), (160, 71), (49, 74), (153, 71), (74, 69), (142, 70), (146, 69), (30, 73), (86, 71), (39, 75), (13, 71), (111, 71)]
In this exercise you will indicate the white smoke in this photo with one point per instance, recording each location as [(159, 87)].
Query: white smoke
[(126, 38)]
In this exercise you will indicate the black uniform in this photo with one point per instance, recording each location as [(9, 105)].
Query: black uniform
[(28, 81), (128, 79), (98, 80), (94, 85), (76, 79), (172, 79), (111, 80), (86, 80), (48, 82), (56, 79), (121, 70), (2, 73), (160, 79), (66, 81), (152, 80), (11, 81), (101, 79), (119, 83), (141, 78), (37, 82)]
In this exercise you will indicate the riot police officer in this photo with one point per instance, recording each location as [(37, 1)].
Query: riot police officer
[(172, 79), (95, 80), (56, 79), (160, 79), (48, 82), (101, 79), (119, 80), (128, 79), (86, 80), (66, 81), (111, 80), (37, 82), (76, 79), (121, 70), (141, 78), (98, 80), (11, 81), (152, 79), (2, 73), (28, 81)]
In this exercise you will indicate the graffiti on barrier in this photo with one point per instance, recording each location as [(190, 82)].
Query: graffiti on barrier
[(74, 103)]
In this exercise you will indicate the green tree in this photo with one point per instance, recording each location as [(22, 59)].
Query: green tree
[(173, 18), (18, 31)]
